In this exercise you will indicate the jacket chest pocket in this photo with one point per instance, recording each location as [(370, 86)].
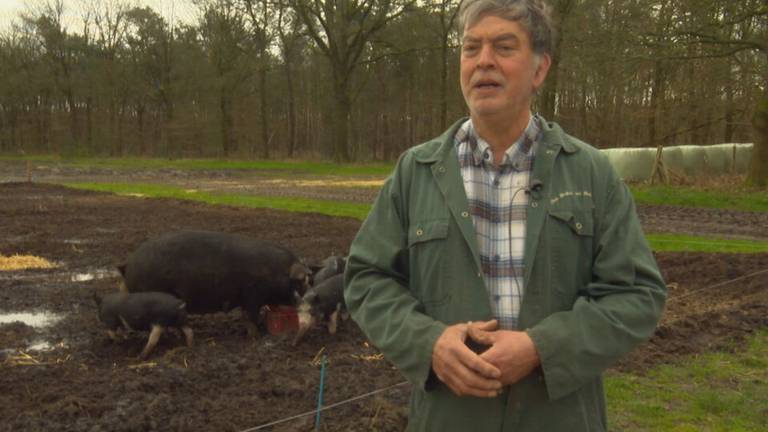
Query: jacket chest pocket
[(579, 222), (571, 235), (427, 241)]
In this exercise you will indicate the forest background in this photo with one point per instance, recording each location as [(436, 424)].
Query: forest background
[(360, 80)]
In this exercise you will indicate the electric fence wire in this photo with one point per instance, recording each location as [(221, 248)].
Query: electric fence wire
[(717, 285), (334, 405)]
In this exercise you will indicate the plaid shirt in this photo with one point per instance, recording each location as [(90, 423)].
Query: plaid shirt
[(497, 202)]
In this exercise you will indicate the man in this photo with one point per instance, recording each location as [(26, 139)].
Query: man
[(502, 268)]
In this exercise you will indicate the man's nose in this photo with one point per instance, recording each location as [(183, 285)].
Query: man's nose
[(486, 58)]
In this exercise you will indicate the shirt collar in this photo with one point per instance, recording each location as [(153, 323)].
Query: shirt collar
[(481, 150)]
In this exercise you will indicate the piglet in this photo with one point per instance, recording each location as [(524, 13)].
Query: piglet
[(143, 311), (323, 302)]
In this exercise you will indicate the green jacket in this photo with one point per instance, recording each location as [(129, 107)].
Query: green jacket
[(592, 287)]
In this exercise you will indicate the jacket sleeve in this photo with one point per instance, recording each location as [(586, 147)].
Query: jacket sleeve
[(376, 285), (616, 311)]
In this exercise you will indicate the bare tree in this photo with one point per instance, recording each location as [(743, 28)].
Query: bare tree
[(62, 53), (562, 11), (260, 21), (342, 29), (446, 11), (150, 42), (717, 32), (291, 37), (227, 43), (111, 25)]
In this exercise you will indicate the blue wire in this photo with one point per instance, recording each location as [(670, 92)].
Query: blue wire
[(320, 395)]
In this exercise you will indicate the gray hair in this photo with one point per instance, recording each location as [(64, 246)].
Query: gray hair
[(535, 16)]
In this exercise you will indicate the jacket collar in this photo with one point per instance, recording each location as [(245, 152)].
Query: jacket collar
[(554, 137), (443, 147), (439, 148)]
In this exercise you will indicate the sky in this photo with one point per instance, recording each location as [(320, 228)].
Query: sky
[(8, 10), (181, 9)]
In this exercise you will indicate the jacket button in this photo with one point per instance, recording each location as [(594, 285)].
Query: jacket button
[(464, 214), (578, 226), (441, 169), (535, 204), (480, 274), (419, 232)]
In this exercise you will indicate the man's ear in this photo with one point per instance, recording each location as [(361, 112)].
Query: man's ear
[(544, 62)]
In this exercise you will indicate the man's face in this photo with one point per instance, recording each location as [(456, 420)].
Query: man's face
[(499, 70)]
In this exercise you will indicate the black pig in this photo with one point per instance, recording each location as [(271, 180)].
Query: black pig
[(214, 272), (323, 302), (149, 311)]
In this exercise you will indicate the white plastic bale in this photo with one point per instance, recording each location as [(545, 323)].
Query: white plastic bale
[(694, 160), (743, 157), (720, 159), (673, 159), (636, 164), (632, 164)]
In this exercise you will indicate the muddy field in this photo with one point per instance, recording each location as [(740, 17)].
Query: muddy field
[(59, 371)]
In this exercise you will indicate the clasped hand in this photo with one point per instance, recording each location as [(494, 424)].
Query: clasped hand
[(510, 357)]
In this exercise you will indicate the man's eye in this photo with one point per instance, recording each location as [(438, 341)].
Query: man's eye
[(505, 48), (469, 48)]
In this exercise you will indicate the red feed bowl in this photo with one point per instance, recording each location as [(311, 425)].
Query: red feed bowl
[(281, 319)]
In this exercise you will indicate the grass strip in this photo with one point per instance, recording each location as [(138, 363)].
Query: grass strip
[(735, 198), (739, 199), (305, 167), (659, 242), (331, 208), (710, 392), (685, 243)]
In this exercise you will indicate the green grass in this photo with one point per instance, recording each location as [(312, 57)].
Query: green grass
[(726, 196), (684, 243), (712, 392), (659, 242), (331, 208), (735, 199), (271, 166)]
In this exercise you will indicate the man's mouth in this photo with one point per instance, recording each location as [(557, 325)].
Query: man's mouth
[(487, 84)]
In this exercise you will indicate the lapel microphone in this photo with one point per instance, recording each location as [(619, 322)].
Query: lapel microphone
[(535, 186)]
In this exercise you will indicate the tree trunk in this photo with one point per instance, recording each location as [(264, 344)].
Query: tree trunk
[(729, 109), (3, 143), (340, 121), (263, 111), (226, 125), (73, 121), (758, 166), (444, 85), (140, 128), (46, 117), (168, 140), (89, 124), (291, 109), (657, 96)]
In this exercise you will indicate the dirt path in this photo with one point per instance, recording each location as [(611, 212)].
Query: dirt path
[(363, 189)]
